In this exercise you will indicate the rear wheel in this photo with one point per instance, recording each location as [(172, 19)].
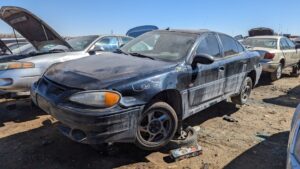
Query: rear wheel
[(244, 95), (277, 74), (156, 127), (296, 71)]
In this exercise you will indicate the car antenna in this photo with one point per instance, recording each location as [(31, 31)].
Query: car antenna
[(17, 40)]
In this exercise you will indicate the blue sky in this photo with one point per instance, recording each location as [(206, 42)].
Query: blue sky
[(83, 17)]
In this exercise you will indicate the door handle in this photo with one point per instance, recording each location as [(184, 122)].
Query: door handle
[(221, 68)]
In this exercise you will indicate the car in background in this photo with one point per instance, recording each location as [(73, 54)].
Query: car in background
[(4, 49), (143, 91), (293, 151), (278, 52), (297, 41), (18, 72), (139, 30), (15, 45), (261, 31)]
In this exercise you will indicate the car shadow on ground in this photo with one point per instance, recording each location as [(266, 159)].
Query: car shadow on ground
[(270, 153), (265, 79), (18, 111), (218, 110), (46, 148), (290, 99)]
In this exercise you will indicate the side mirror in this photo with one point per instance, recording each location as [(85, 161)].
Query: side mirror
[(97, 49), (203, 59)]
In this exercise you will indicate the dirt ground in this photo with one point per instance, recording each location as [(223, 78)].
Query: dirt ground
[(29, 138)]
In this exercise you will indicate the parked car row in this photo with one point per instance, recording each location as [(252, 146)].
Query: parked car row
[(109, 88)]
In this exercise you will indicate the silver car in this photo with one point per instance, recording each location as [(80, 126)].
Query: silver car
[(293, 153), (17, 75)]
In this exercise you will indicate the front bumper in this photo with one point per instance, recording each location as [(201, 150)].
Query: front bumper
[(18, 80), (269, 66), (91, 126)]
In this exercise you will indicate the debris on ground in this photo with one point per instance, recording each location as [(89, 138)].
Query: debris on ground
[(186, 152), (262, 135), (229, 119)]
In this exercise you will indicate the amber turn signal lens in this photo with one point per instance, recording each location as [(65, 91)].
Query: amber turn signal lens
[(27, 65), (111, 98), (15, 66)]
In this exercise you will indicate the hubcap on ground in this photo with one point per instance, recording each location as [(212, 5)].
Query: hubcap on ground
[(155, 126)]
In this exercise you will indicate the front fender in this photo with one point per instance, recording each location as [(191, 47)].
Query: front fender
[(142, 91)]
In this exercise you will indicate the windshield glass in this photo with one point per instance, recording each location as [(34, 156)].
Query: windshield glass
[(261, 42), (80, 43), (163, 45)]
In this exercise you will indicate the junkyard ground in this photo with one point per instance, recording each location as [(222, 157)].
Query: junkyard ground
[(29, 138)]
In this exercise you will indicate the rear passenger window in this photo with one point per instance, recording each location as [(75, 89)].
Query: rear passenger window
[(290, 43), (210, 46), (229, 45), (284, 44)]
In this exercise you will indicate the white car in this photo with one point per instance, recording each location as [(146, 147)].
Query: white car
[(278, 53), (293, 153)]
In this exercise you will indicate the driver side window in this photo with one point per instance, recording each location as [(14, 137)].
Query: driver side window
[(106, 44), (210, 46)]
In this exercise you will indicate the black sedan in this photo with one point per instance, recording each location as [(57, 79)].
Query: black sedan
[(143, 91)]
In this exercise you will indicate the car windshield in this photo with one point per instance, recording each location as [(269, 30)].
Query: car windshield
[(80, 43), (162, 45), (261, 42)]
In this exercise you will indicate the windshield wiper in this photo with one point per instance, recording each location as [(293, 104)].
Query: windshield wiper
[(120, 51), (141, 55)]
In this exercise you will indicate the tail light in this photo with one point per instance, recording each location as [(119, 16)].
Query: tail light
[(269, 55)]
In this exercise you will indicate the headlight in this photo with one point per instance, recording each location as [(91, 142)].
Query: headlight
[(103, 99), (16, 65)]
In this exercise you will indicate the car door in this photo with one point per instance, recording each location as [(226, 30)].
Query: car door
[(208, 81), (287, 52), (234, 63), (295, 54), (106, 44)]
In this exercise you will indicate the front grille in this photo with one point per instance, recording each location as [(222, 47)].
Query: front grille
[(51, 89)]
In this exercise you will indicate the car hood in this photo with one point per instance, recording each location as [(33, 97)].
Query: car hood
[(36, 31), (4, 48), (100, 71)]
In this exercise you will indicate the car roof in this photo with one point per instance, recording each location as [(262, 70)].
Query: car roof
[(267, 36), (199, 31)]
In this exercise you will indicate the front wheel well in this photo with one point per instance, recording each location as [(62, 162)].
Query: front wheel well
[(170, 96), (252, 75), (282, 61)]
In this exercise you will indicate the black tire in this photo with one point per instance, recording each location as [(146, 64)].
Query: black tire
[(245, 92), (188, 138), (277, 74), (295, 71), (153, 132)]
